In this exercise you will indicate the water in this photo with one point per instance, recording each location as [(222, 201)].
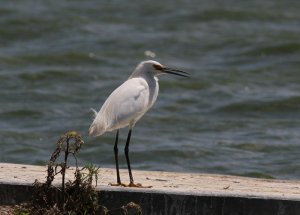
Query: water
[(239, 113)]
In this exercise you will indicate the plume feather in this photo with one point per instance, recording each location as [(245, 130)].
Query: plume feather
[(95, 112)]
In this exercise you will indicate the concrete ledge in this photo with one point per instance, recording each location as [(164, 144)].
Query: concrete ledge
[(172, 193)]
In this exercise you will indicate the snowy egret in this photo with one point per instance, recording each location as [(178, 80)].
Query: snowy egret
[(128, 103)]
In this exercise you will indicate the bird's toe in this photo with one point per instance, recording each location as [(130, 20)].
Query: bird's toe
[(118, 185), (138, 185)]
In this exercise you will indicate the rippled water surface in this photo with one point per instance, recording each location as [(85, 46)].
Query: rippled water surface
[(238, 114)]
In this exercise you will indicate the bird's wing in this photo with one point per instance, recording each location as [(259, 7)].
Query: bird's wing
[(126, 104)]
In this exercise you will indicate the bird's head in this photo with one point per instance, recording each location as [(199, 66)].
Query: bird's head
[(154, 68)]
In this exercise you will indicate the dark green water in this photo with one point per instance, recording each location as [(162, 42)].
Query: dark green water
[(238, 114)]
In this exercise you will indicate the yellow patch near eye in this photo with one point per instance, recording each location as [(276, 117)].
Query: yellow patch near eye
[(157, 67)]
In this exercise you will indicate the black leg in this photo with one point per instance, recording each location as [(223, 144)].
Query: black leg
[(116, 157), (127, 157)]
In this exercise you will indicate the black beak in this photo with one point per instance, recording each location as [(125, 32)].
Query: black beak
[(175, 72)]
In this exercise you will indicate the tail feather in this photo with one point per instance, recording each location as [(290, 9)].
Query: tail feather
[(97, 128)]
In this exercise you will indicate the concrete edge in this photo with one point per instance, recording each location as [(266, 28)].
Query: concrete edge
[(153, 202)]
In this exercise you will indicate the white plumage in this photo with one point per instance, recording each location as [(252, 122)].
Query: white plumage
[(128, 103)]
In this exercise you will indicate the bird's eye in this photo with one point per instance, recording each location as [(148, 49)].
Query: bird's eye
[(157, 67)]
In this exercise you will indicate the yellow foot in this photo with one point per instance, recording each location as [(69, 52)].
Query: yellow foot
[(138, 185), (118, 184)]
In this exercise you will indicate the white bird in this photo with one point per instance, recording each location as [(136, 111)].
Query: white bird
[(128, 103)]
